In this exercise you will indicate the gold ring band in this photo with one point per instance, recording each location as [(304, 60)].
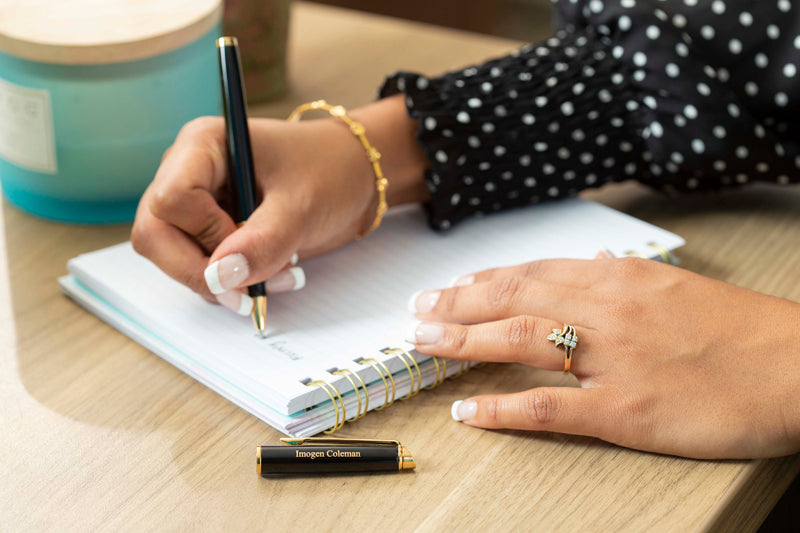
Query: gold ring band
[(567, 359), (568, 338)]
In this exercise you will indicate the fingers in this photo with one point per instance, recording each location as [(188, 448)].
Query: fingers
[(291, 278), (186, 188), (258, 250), (194, 211), (579, 273), (521, 339), (559, 409), (502, 298), (170, 249), (180, 223), (238, 302)]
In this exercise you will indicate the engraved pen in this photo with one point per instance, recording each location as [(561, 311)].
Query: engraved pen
[(240, 156), (329, 455)]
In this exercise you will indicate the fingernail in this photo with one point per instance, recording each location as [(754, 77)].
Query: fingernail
[(463, 410), (294, 259), (427, 333), (605, 253), (239, 303), (227, 273), (412, 302), (423, 301), (291, 279), (461, 281)]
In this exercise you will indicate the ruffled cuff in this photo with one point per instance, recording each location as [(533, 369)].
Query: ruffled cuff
[(531, 126)]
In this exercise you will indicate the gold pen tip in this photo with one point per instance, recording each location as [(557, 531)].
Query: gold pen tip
[(260, 314), (406, 459)]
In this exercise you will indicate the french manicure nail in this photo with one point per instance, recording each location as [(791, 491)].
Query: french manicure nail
[(239, 303), (462, 281), (227, 273), (291, 279), (605, 252), (423, 301), (412, 302), (427, 333), (295, 258), (463, 410)]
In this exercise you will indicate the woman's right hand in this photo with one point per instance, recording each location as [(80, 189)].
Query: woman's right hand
[(317, 192)]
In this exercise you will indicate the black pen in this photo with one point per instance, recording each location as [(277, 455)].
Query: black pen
[(240, 156), (329, 455)]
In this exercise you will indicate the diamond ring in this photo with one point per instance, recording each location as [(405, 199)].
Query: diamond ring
[(568, 338)]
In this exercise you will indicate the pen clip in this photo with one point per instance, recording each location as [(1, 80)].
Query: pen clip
[(339, 441)]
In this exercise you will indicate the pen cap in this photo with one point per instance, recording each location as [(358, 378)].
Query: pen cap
[(333, 458)]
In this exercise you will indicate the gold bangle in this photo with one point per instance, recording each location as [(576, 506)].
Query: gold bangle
[(373, 155)]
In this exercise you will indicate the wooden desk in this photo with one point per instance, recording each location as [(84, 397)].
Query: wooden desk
[(96, 432)]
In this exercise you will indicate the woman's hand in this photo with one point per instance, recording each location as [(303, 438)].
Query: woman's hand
[(318, 193), (668, 361)]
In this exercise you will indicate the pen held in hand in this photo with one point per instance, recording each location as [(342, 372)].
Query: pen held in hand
[(331, 455), (241, 172)]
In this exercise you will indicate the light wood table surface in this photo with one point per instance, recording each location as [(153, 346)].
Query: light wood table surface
[(98, 433)]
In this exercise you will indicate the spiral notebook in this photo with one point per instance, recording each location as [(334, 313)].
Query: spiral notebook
[(338, 348)]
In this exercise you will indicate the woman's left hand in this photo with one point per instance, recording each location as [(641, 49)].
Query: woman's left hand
[(668, 361)]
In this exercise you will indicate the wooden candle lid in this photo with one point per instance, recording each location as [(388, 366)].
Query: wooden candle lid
[(85, 32)]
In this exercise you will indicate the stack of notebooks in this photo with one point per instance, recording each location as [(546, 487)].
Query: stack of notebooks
[(339, 348)]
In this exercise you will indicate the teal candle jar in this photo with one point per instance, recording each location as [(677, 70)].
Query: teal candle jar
[(86, 112)]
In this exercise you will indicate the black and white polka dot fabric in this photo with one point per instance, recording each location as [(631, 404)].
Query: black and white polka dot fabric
[(682, 95)]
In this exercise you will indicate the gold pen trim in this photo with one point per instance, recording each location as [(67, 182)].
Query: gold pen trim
[(405, 461), (227, 41), (258, 459)]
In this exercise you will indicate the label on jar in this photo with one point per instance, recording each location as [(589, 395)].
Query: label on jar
[(26, 128)]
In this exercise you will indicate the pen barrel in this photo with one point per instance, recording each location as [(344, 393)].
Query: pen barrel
[(240, 157), (259, 289), (320, 459)]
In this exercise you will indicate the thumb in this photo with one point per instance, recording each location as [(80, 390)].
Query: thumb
[(559, 409), (256, 250)]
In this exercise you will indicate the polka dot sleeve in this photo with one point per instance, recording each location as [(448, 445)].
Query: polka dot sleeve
[(680, 96)]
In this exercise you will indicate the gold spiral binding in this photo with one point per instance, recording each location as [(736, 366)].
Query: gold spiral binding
[(444, 372), (340, 416), (666, 256), (402, 354), (384, 373), (462, 370), (374, 363), (634, 253), (359, 413), (438, 380)]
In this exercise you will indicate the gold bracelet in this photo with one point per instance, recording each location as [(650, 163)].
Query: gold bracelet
[(373, 155)]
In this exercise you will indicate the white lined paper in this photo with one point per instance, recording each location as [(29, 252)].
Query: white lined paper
[(354, 302)]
